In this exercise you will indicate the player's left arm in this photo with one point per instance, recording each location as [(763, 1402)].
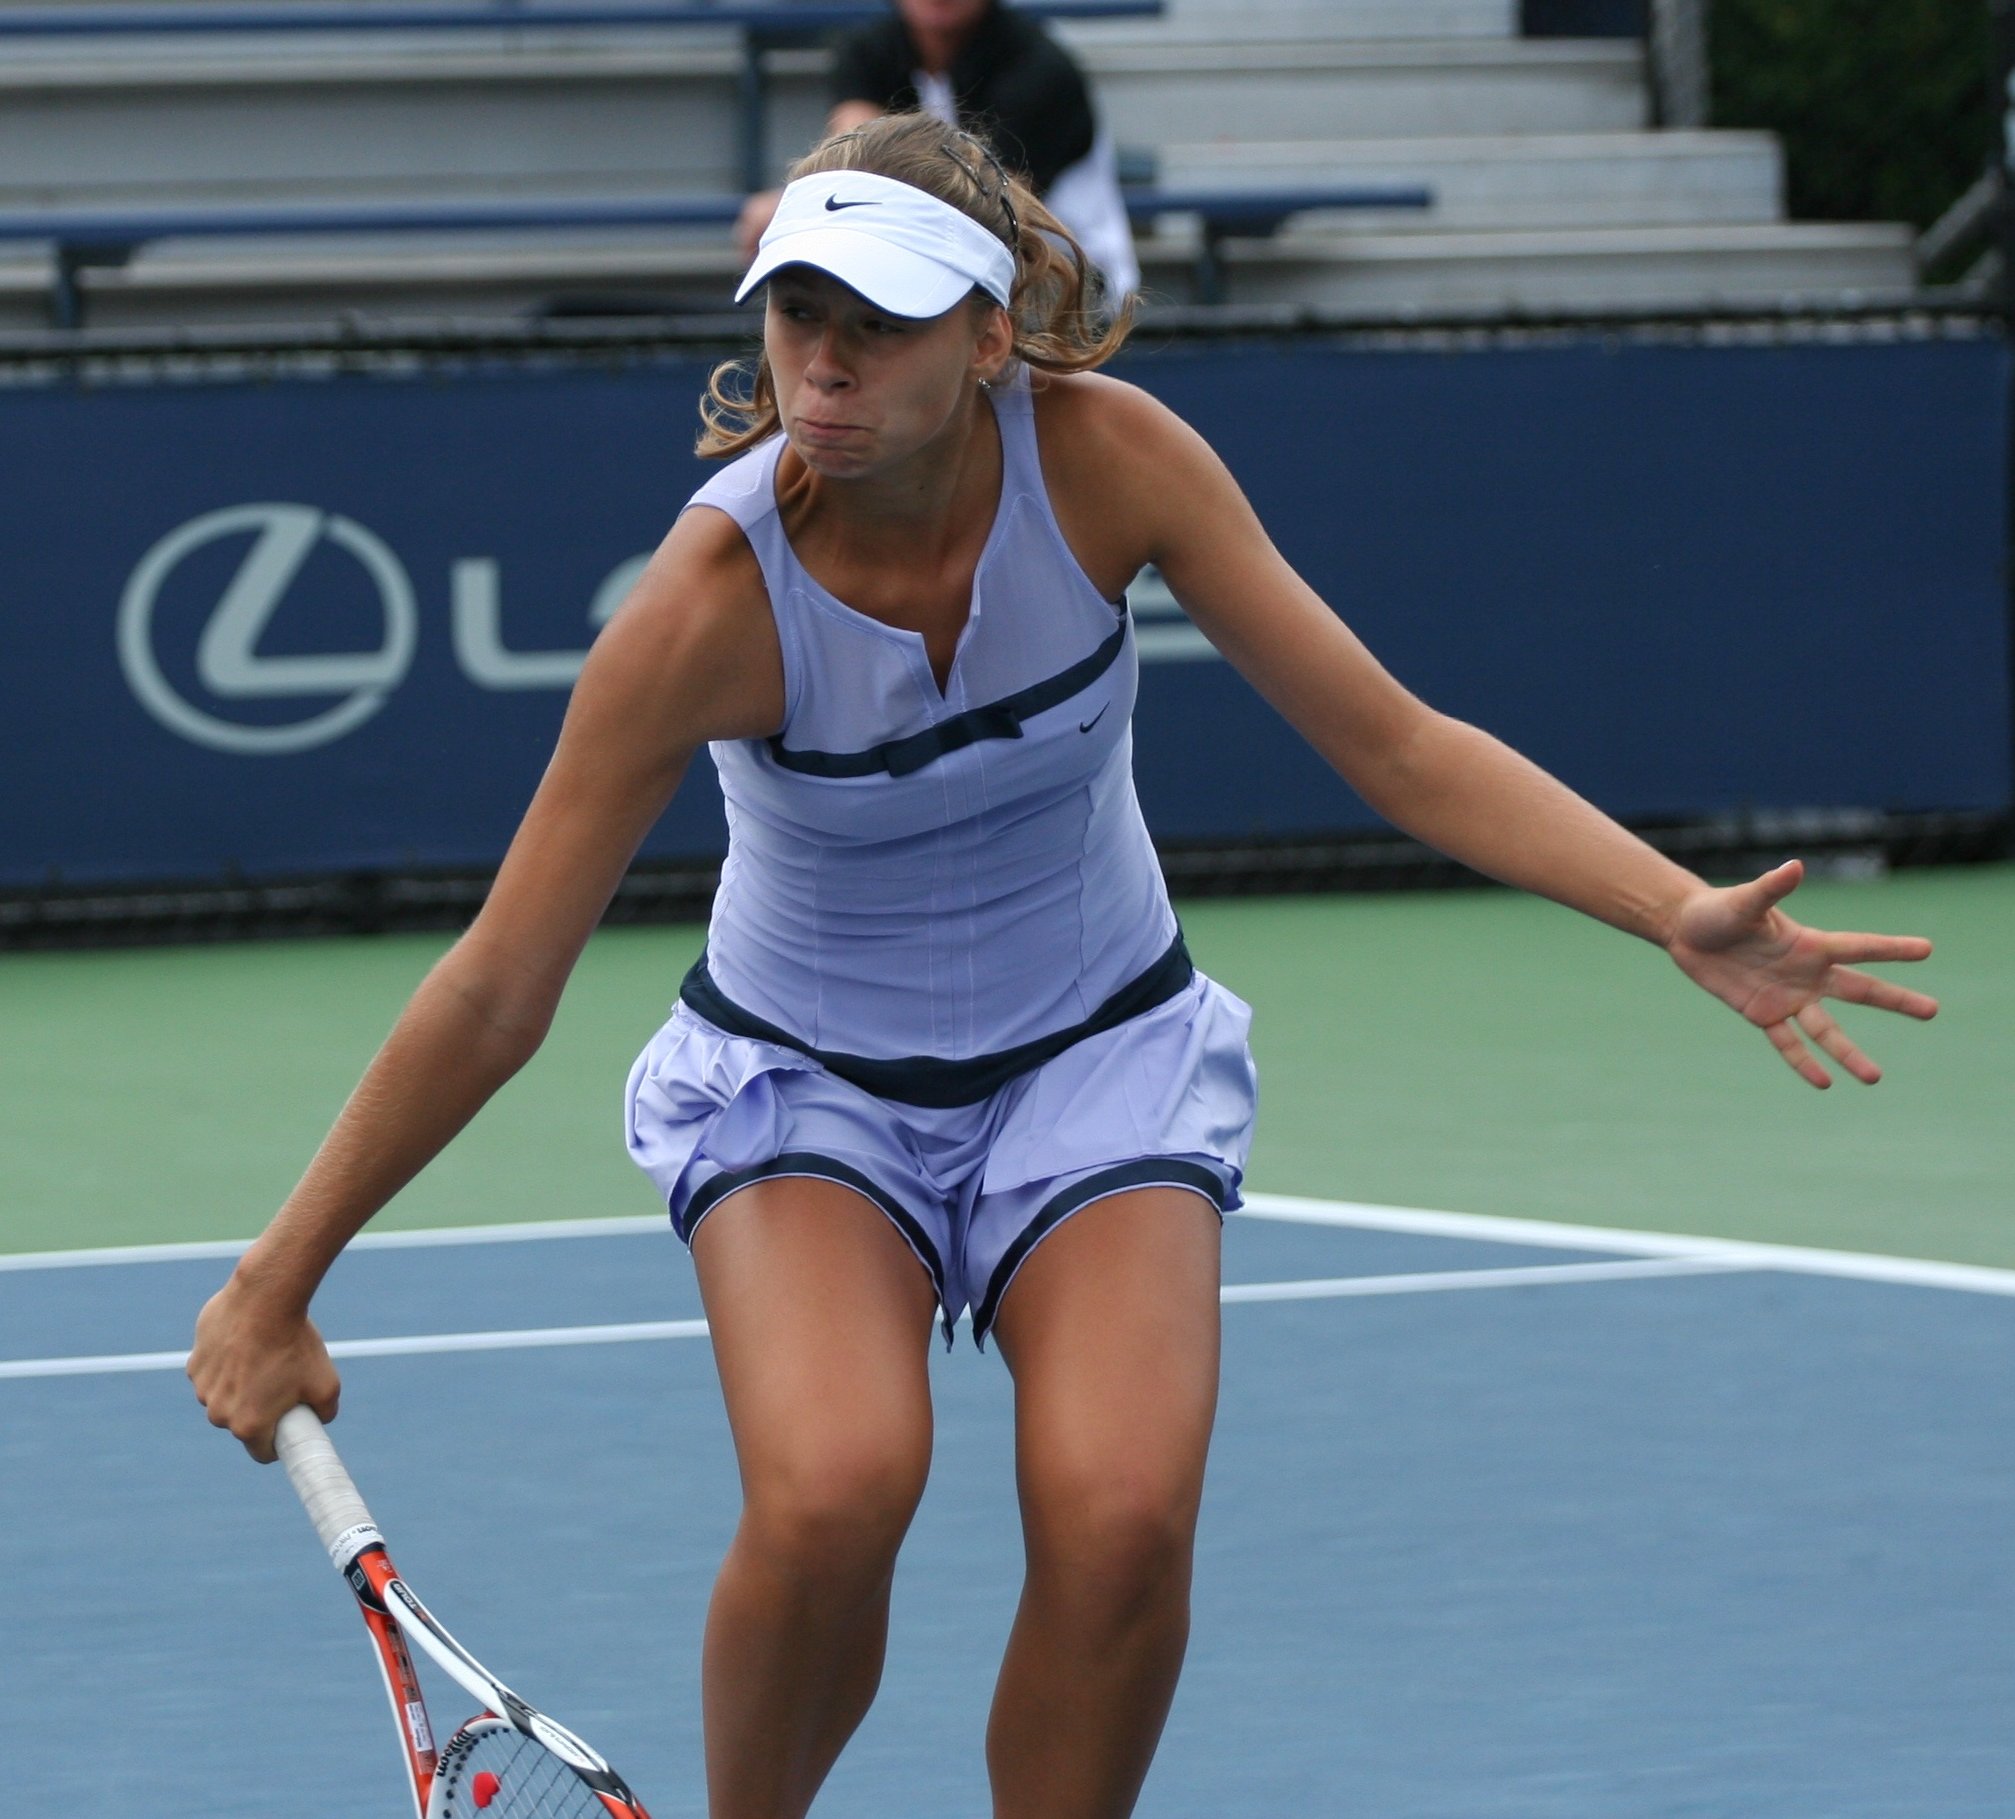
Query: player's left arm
[(1464, 792)]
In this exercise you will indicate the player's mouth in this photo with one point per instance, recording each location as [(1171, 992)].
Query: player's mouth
[(828, 434)]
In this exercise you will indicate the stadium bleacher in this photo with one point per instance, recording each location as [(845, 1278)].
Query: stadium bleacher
[(1551, 190)]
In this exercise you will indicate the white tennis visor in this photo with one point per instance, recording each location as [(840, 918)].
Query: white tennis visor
[(901, 248)]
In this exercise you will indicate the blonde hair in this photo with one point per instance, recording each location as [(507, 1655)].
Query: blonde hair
[(1061, 323)]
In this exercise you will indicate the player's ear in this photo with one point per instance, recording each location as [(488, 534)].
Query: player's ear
[(995, 344)]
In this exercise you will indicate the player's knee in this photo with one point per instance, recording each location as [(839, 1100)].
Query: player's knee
[(1122, 1542), (839, 1508)]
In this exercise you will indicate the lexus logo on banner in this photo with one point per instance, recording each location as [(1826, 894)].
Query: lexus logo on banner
[(227, 660), (230, 667)]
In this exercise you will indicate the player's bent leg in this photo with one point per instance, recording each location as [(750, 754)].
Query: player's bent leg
[(1111, 1332), (821, 1317)]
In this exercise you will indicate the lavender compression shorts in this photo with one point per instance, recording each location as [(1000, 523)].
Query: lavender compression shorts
[(1164, 1099)]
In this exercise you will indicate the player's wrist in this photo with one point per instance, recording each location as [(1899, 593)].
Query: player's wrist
[(265, 1290), (1663, 913)]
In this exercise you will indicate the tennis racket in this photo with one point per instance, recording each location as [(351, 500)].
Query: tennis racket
[(507, 1762)]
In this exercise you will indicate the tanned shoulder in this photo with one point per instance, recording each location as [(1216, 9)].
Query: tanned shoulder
[(1108, 449), (1098, 417), (698, 624)]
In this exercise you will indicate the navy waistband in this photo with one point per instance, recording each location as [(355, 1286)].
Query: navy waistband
[(930, 1080)]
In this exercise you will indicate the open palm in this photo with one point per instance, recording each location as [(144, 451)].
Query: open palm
[(1739, 945)]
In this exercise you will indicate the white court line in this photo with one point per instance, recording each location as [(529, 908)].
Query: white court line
[(532, 1231), (1332, 1287), (533, 1338), (1866, 1266), (408, 1346), (1486, 1228)]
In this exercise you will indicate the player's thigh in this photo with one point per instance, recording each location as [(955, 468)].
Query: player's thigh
[(1111, 1331), (821, 1319)]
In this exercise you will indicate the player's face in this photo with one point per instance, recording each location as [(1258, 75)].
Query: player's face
[(858, 389), (951, 17)]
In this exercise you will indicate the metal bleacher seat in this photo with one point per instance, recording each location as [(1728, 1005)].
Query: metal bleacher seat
[(82, 237)]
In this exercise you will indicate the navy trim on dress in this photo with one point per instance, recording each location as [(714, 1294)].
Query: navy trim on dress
[(1150, 1171), (931, 1080), (996, 720), (808, 1163)]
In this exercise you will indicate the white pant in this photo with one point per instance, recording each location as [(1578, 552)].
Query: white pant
[(1085, 198)]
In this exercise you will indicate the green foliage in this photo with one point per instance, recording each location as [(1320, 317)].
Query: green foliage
[(1887, 108)]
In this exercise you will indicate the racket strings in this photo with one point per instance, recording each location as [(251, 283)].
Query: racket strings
[(498, 1773)]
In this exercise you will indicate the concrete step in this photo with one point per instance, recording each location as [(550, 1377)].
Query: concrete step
[(256, 190), (596, 109), (610, 107), (143, 55), (487, 277), (1523, 182), (1311, 20), (1190, 19), (1232, 91), (1576, 180), (1661, 267), (500, 276)]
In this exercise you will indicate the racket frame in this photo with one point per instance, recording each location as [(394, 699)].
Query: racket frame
[(395, 1616)]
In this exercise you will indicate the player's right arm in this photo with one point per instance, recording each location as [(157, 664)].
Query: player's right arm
[(691, 656)]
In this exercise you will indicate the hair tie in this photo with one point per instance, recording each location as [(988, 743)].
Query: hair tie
[(1000, 192)]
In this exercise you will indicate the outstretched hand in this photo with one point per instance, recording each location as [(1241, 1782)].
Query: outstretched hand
[(1739, 945)]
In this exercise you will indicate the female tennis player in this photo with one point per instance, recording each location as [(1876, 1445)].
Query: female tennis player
[(945, 1051)]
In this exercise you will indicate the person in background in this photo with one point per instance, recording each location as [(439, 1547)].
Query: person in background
[(981, 64)]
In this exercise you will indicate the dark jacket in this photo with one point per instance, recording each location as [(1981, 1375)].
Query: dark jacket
[(1013, 82)]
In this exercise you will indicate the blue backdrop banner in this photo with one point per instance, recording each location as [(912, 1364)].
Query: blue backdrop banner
[(312, 625)]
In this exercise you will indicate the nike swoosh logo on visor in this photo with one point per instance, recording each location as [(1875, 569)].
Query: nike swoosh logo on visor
[(1086, 726), (834, 204)]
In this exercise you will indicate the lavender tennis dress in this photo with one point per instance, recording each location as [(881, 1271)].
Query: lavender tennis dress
[(942, 968)]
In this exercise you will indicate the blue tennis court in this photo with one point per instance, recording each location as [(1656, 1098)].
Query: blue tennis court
[(1502, 1520)]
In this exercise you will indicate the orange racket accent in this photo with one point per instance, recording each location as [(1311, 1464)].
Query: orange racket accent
[(509, 1757)]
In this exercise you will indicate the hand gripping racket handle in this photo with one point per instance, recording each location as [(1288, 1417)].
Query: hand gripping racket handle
[(324, 1487)]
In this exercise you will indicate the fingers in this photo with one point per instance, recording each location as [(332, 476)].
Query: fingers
[(248, 1371), (1855, 949), (324, 1392), (757, 214), (254, 1435), (1760, 896), (1819, 1025), (1784, 1039), (1861, 988), (251, 1430), (261, 1444)]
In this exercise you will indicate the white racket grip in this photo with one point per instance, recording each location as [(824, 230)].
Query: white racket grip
[(324, 1487)]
